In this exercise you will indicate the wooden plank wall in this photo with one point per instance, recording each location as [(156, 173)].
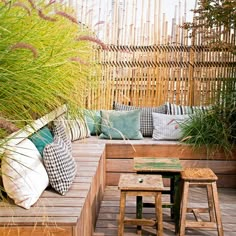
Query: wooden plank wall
[(151, 59), (119, 159)]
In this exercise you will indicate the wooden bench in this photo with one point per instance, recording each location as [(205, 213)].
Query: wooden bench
[(120, 154), (71, 215), (100, 163)]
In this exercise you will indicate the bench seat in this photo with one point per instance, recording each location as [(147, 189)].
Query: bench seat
[(100, 163), (73, 214), (120, 154)]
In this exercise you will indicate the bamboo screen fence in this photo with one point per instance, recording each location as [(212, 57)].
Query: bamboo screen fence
[(150, 60)]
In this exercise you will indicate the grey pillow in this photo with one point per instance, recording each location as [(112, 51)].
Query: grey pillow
[(146, 123), (168, 127), (60, 165)]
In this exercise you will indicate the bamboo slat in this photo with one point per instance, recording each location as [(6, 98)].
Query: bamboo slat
[(148, 64)]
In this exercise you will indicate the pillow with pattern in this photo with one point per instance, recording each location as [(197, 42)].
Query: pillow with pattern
[(60, 165), (146, 124), (168, 127), (76, 128), (59, 130), (173, 109)]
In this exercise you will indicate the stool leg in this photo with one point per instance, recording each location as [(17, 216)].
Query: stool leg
[(122, 213), (210, 203), (217, 210), (158, 208), (139, 212), (183, 211), (172, 196)]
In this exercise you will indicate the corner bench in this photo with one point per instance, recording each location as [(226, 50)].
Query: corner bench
[(100, 163)]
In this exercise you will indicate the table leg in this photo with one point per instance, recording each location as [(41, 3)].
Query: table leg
[(122, 213), (158, 208), (172, 196), (139, 212), (177, 200)]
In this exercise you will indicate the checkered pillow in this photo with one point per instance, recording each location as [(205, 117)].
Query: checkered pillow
[(60, 131), (146, 123), (60, 165)]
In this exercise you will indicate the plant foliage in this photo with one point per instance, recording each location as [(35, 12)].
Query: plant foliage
[(44, 59)]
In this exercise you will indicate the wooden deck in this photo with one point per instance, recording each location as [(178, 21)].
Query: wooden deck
[(107, 220)]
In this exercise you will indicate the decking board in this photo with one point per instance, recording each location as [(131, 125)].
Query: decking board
[(107, 218)]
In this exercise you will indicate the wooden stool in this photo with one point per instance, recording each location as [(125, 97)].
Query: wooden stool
[(200, 177), (140, 185)]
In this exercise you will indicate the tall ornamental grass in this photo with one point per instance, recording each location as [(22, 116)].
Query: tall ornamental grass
[(46, 60)]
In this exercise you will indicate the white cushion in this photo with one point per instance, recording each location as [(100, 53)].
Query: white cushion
[(23, 173), (168, 127)]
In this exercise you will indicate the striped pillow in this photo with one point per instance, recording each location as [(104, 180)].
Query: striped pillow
[(75, 128), (173, 109), (146, 123)]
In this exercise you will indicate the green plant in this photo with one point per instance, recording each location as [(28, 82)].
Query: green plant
[(206, 129), (46, 59)]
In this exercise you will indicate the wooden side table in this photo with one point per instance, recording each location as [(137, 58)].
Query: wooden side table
[(140, 185), (168, 168)]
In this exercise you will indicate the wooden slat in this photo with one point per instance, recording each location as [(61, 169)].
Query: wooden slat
[(219, 167), (22, 134), (143, 149), (36, 231)]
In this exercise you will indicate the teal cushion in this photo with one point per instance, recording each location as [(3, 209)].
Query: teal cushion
[(41, 138), (93, 120), (120, 124)]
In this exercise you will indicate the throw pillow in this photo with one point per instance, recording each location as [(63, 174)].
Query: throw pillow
[(76, 128), (23, 173), (120, 125), (146, 124), (93, 120), (59, 129), (60, 165), (168, 127), (173, 109), (41, 138)]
